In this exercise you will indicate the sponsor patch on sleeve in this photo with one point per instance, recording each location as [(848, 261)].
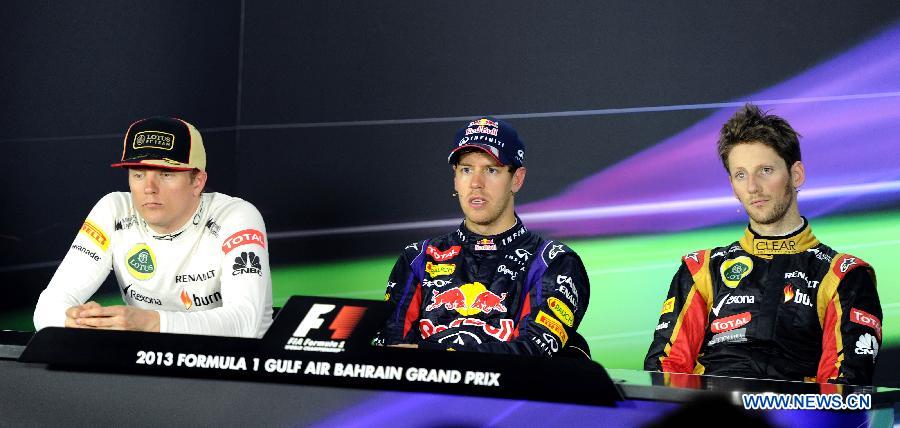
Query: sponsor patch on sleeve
[(553, 325), (668, 306), (95, 233), (561, 311), (244, 237), (864, 318)]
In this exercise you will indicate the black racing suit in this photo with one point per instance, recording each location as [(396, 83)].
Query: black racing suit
[(779, 308), (509, 293)]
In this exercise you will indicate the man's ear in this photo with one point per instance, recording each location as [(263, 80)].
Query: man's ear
[(199, 183), (518, 179), (798, 174)]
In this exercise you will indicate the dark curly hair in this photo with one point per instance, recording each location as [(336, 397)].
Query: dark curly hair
[(751, 125)]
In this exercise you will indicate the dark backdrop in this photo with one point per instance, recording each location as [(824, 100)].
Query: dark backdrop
[(334, 114)]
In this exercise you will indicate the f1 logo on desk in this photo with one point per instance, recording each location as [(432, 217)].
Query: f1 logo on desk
[(310, 336)]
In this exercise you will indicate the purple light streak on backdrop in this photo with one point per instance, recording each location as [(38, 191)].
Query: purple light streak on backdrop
[(845, 142), (692, 205)]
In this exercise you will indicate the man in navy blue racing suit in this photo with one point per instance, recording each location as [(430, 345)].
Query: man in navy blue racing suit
[(491, 285)]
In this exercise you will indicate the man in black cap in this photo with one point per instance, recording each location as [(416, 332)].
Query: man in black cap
[(186, 261), (491, 285)]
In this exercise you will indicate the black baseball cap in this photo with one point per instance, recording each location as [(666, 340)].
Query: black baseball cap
[(163, 142)]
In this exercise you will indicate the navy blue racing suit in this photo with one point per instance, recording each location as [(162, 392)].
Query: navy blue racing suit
[(513, 293)]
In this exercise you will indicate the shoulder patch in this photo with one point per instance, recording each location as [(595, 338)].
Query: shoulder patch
[(694, 261), (846, 263), (552, 250)]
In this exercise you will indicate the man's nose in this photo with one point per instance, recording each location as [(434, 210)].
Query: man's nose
[(752, 185), (151, 186), (477, 181)]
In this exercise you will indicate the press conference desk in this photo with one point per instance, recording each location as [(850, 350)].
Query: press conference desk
[(80, 393)]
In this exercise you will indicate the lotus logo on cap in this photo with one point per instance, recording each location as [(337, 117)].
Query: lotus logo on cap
[(162, 142), (154, 140)]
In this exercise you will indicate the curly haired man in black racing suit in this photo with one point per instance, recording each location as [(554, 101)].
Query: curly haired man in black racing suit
[(778, 303), (491, 285)]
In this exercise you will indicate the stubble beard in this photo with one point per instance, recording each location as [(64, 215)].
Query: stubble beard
[(779, 209)]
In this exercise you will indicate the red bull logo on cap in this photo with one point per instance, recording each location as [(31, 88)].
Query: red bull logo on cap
[(484, 122), (481, 129), (467, 299)]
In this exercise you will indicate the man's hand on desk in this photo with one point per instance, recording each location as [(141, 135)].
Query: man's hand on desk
[(119, 317)]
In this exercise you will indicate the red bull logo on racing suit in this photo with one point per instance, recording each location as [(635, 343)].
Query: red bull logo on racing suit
[(501, 333), (467, 299)]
